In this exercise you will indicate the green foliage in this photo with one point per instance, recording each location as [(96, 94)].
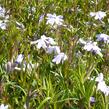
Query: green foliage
[(49, 85)]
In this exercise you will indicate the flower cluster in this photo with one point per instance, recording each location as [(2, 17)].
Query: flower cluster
[(43, 42), (91, 47), (49, 45), (43, 58), (19, 64)]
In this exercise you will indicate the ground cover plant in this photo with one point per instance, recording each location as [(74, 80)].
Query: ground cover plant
[(54, 54)]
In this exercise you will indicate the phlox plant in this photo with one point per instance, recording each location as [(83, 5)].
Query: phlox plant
[(54, 54)]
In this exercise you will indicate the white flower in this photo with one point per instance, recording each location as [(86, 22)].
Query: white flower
[(99, 78), (43, 42), (60, 57), (54, 49), (2, 106), (92, 47), (19, 58), (98, 15), (103, 37), (53, 19)]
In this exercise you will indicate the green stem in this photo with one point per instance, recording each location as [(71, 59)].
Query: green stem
[(106, 102)]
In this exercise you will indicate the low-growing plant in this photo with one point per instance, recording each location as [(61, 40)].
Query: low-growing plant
[(54, 54)]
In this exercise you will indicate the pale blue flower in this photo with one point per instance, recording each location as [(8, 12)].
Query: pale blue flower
[(19, 59), (50, 41), (3, 24), (92, 99), (103, 87), (98, 15), (54, 19), (2, 106), (2, 12), (43, 42), (99, 78), (103, 38), (9, 66), (92, 47), (41, 18), (61, 57), (53, 49)]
